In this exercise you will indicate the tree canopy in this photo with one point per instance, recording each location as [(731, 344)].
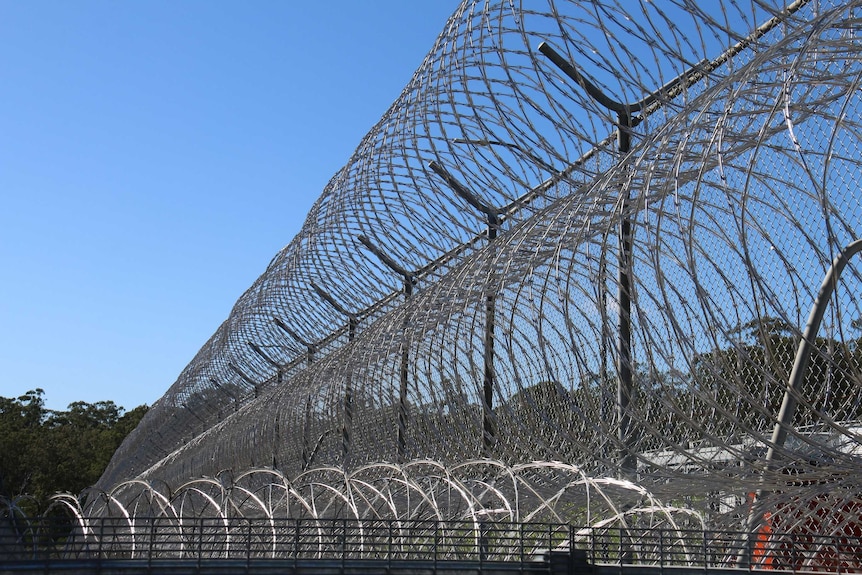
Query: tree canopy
[(43, 452)]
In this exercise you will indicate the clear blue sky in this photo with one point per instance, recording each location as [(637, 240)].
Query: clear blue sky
[(155, 155)]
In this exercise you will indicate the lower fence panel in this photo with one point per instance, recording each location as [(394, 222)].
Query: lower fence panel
[(432, 542)]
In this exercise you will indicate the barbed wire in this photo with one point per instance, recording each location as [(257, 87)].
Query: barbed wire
[(589, 233)]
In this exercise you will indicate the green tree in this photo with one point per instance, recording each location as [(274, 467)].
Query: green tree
[(21, 441), (43, 452), (747, 380)]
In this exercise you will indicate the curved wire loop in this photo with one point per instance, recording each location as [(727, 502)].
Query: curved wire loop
[(608, 268)]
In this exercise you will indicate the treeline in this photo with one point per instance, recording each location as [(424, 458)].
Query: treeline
[(726, 395), (43, 452)]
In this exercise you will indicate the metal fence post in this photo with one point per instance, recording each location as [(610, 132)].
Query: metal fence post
[(99, 538), (661, 550), (200, 542), (389, 546), (343, 542), (521, 542), (151, 544), (101, 552), (623, 549), (436, 543), (296, 543), (248, 544)]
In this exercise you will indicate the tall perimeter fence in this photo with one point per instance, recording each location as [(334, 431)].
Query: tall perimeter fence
[(595, 266)]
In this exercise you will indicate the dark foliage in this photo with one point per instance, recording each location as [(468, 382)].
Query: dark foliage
[(43, 452)]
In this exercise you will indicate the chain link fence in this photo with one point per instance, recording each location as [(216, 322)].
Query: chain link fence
[(586, 232)]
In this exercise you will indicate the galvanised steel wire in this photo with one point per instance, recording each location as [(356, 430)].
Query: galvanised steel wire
[(464, 286), (422, 506)]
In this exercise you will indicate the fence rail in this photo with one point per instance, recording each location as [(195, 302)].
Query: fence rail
[(261, 539), (264, 538)]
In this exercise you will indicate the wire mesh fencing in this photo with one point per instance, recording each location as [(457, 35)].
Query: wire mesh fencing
[(595, 233)]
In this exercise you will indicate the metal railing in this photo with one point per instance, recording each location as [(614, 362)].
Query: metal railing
[(706, 549), (416, 542), (265, 538)]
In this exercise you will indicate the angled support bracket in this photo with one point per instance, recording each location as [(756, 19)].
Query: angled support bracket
[(257, 349), (352, 320), (310, 347), (409, 280), (347, 423), (487, 392), (625, 379), (244, 377)]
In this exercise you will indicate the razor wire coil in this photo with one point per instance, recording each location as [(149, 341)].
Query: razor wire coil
[(462, 287)]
